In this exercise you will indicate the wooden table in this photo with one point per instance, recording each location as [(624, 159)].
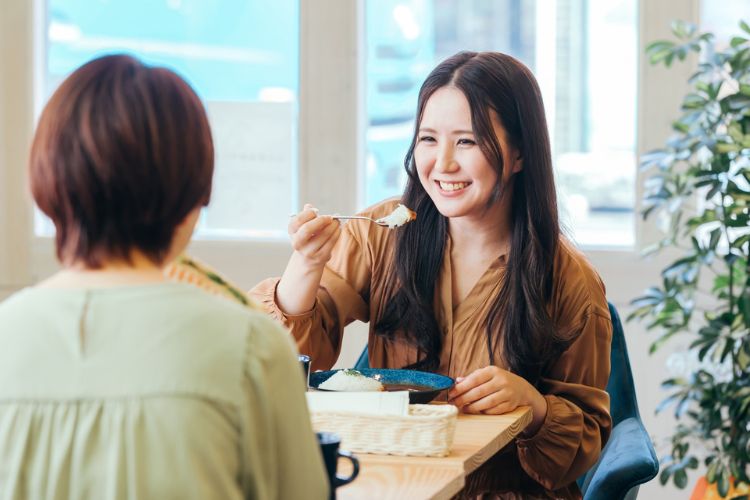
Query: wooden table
[(477, 438)]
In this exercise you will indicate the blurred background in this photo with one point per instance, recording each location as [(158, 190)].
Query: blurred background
[(314, 101), (243, 57)]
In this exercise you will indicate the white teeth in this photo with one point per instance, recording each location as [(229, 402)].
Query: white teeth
[(452, 186)]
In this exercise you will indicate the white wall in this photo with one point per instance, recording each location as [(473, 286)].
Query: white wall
[(15, 131)]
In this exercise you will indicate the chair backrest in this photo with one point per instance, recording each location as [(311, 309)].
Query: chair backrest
[(621, 389), (363, 361)]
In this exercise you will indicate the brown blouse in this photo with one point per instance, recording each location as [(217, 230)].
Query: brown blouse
[(578, 423)]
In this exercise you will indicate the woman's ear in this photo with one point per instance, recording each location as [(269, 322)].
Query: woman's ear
[(517, 164)]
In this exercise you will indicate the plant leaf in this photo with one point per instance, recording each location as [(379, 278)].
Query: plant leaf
[(737, 41), (711, 472), (680, 478), (683, 29), (664, 476), (723, 483)]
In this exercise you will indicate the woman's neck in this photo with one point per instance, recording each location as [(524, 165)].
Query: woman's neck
[(111, 274), (491, 233)]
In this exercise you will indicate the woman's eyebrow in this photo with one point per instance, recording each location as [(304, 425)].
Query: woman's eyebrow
[(454, 132)]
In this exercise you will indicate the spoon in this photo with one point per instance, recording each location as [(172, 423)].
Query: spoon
[(379, 222)]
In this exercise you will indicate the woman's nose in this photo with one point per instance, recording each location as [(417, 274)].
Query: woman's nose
[(445, 161)]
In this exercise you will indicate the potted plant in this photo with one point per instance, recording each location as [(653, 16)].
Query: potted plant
[(698, 189)]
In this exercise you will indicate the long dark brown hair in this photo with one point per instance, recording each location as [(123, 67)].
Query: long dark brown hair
[(520, 331)]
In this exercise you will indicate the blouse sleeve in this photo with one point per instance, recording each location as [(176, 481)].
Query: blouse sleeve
[(578, 423), (277, 435), (340, 300)]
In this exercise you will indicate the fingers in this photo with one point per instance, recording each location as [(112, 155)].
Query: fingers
[(491, 405), (307, 214), (327, 247), (473, 394), (489, 390), (314, 236), (326, 238), (488, 399), (476, 378)]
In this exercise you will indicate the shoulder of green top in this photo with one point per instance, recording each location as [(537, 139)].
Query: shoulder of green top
[(216, 279)]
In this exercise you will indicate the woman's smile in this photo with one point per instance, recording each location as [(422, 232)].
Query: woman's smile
[(452, 189)]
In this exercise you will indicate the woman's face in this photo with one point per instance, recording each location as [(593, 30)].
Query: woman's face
[(452, 168)]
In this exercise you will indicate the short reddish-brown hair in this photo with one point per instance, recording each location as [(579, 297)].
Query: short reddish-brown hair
[(122, 153)]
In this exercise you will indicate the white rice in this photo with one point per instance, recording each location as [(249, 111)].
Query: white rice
[(400, 216), (350, 380)]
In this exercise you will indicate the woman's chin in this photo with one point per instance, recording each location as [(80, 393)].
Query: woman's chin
[(450, 212)]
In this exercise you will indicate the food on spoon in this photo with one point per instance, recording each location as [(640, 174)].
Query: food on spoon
[(351, 381), (400, 216)]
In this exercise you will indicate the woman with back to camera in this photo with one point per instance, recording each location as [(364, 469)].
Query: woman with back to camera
[(481, 286), (115, 383)]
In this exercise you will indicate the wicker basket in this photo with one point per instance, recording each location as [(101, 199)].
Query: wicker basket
[(426, 432)]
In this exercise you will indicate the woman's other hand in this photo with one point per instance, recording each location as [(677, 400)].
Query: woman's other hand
[(314, 236), (493, 391)]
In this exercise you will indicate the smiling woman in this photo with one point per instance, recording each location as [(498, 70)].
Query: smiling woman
[(481, 287)]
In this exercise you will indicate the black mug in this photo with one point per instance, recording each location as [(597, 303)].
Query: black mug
[(329, 446), (304, 361)]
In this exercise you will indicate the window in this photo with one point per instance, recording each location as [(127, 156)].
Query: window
[(723, 19), (242, 57), (584, 55), (329, 134)]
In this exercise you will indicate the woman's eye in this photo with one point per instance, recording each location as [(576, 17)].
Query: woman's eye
[(426, 138), (466, 142)]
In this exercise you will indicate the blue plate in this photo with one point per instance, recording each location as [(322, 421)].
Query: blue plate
[(425, 385)]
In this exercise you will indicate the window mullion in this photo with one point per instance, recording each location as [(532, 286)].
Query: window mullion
[(328, 124), (16, 126), (660, 90)]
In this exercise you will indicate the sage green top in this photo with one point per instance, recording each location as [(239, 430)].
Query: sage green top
[(150, 391)]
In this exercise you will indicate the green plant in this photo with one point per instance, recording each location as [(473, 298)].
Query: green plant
[(699, 189)]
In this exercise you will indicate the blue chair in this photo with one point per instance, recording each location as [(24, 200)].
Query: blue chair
[(628, 459)]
